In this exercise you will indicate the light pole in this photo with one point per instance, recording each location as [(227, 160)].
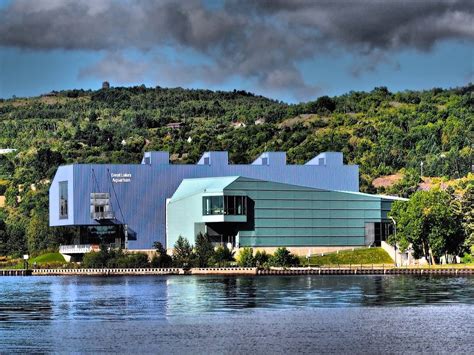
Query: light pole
[(395, 231), (25, 261)]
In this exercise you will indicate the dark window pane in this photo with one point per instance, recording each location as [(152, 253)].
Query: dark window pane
[(63, 200), (230, 205), (238, 205), (207, 205)]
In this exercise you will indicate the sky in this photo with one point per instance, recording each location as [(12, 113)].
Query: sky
[(288, 50)]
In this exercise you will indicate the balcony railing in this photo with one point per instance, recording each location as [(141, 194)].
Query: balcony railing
[(103, 215), (76, 249)]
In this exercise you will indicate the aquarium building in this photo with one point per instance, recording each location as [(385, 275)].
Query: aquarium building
[(264, 204)]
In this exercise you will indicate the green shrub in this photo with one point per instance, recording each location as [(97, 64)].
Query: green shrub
[(283, 257), (114, 259), (136, 260), (261, 258), (161, 259), (95, 260), (467, 258), (222, 256), (246, 258)]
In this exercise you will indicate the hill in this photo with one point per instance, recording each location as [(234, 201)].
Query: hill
[(384, 133)]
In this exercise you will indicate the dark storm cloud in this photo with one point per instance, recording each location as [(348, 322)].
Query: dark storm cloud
[(379, 24), (261, 41)]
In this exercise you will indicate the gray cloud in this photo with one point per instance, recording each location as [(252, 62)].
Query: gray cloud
[(260, 41), (115, 65)]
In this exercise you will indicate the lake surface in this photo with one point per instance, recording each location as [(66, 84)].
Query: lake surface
[(212, 314)]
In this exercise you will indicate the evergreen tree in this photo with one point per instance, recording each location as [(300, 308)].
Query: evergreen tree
[(246, 258), (203, 250), (183, 253)]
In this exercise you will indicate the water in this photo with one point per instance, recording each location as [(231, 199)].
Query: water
[(211, 314)]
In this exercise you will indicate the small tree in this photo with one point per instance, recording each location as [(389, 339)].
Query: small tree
[(467, 212), (183, 253), (203, 250), (261, 258), (161, 259), (430, 223), (283, 257), (246, 258)]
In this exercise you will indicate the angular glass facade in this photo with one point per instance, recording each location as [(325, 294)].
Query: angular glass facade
[(224, 205), (278, 214)]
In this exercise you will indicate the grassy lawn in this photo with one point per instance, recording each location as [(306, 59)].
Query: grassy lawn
[(358, 256), (48, 258), (43, 260)]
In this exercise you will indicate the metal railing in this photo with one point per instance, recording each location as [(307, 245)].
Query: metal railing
[(75, 249), (103, 215)]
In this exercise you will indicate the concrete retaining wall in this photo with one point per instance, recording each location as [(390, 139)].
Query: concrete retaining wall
[(365, 270), (343, 270), (101, 272), (224, 271)]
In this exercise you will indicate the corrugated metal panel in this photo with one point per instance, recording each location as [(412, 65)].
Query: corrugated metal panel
[(139, 193)]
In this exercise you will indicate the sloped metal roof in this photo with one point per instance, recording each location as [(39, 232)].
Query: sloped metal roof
[(189, 187)]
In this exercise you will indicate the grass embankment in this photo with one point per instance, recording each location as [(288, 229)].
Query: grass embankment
[(48, 258), (52, 260), (355, 257)]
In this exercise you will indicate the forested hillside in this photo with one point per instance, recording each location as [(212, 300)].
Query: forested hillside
[(383, 132)]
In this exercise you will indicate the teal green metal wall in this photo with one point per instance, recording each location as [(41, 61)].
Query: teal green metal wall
[(183, 219), (283, 214), (288, 215)]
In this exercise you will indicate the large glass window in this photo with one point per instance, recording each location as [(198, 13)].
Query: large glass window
[(213, 205), (63, 212), (228, 205)]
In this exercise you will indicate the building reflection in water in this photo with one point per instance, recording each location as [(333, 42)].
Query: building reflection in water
[(161, 297)]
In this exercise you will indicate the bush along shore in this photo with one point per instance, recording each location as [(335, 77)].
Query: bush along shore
[(203, 259)]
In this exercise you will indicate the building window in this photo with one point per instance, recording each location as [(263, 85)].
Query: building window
[(100, 206), (224, 205), (213, 205), (63, 212)]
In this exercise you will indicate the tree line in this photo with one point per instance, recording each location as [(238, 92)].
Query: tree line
[(200, 255)]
